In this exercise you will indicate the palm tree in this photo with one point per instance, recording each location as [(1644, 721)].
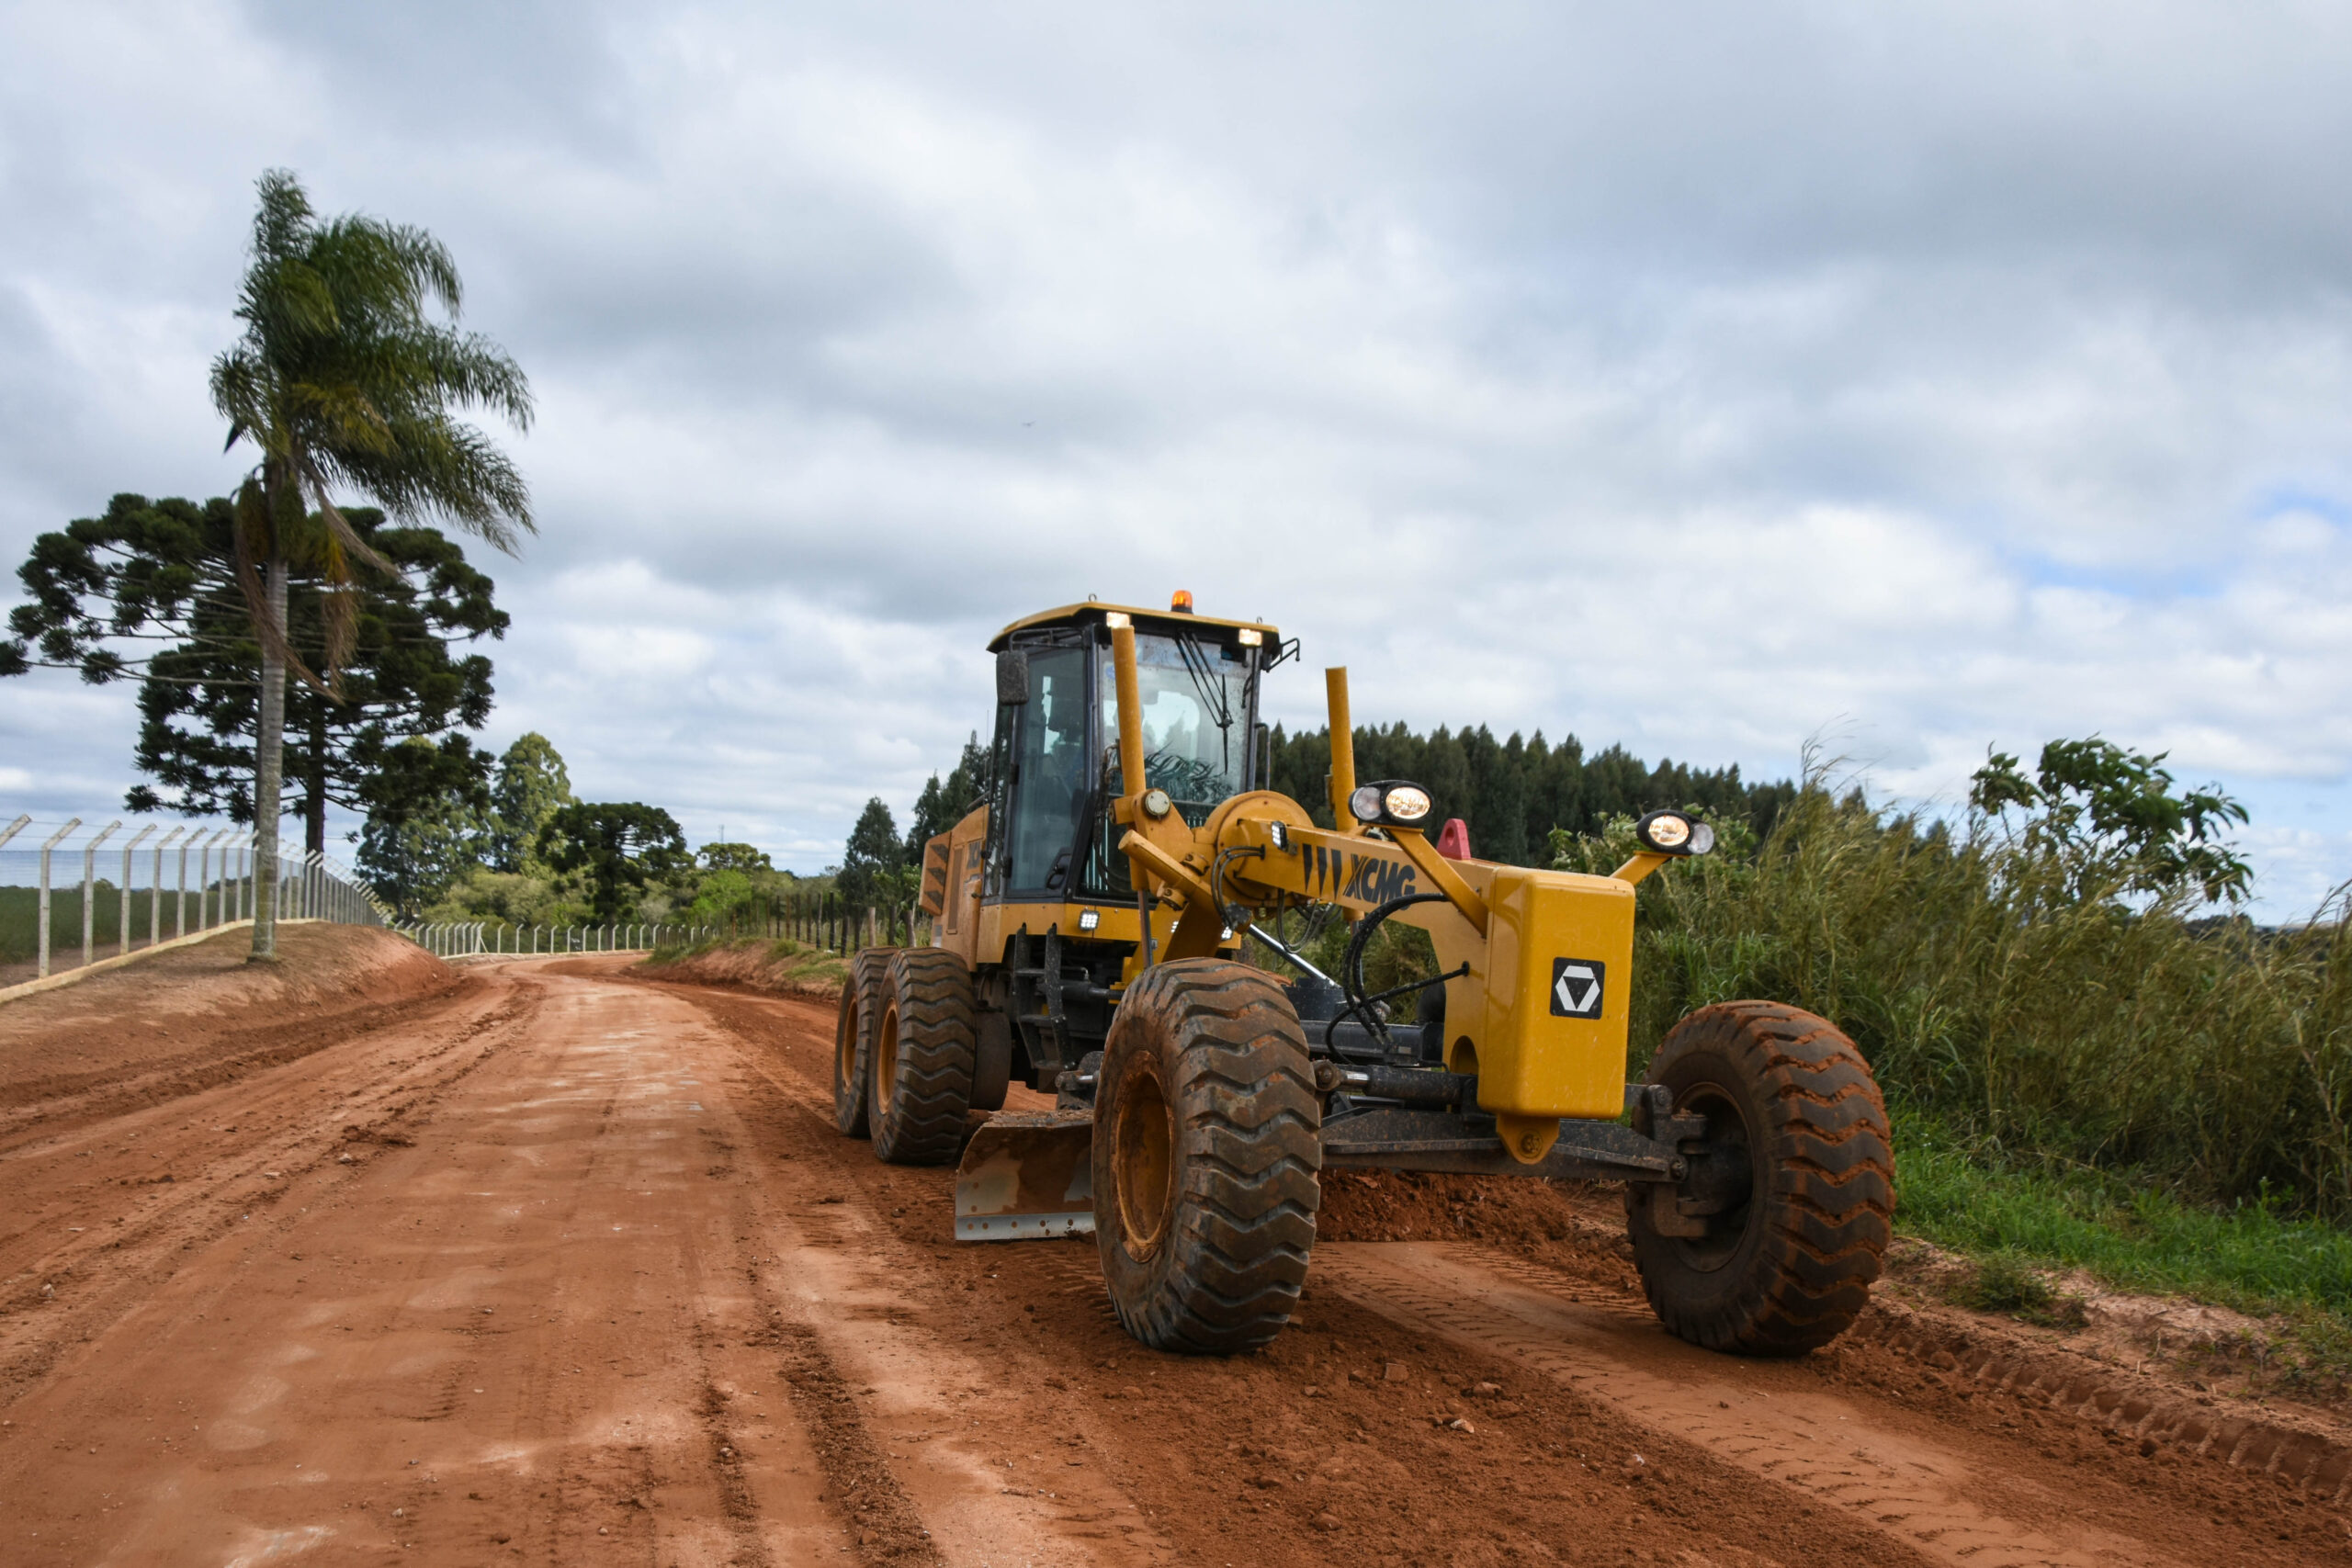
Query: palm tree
[(342, 380)]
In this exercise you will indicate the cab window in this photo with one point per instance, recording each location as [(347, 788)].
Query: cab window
[(1049, 781)]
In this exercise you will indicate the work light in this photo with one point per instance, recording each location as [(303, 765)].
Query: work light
[(1390, 801), (1674, 833)]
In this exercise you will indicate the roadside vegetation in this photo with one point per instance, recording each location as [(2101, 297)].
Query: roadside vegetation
[(782, 965), (2093, 1064)]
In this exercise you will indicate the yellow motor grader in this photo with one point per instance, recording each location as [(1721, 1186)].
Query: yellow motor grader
[(1091, 915)]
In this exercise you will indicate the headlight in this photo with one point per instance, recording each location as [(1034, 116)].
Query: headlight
[(1391, 801), (1673, 833), (1405, 802)]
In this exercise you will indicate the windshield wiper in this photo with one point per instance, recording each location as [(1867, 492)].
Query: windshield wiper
[(1213, 693)]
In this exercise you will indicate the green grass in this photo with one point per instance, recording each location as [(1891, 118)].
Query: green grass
[(2126, 1234), (20, 918), (2018, 1225)]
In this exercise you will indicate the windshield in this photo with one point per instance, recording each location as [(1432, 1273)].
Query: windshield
[(1195, 719)]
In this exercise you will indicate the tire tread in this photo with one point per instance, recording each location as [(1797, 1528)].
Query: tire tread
[(1826, 1189), (921, 1119)]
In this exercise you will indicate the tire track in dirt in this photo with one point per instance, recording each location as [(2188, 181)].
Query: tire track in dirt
[(1566, 1453), (1819, 1445), (868, 1370), (500, 1335), (1258, 1459), (60, 1284)]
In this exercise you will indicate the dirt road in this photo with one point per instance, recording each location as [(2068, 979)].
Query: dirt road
[(550, 1264)]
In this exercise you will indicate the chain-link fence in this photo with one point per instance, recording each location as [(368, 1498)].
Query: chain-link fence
[(822, 918), (465, 939), (815, 918), (76, 891)]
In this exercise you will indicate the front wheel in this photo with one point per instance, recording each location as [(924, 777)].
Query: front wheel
[(921, 1084), (1207, 1158), (862, 999), (1769, 1244)]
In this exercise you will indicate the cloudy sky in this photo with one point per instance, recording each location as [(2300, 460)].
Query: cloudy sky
[(1709, 377)]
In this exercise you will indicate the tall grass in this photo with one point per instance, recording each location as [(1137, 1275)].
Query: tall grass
[(2210, 1057)]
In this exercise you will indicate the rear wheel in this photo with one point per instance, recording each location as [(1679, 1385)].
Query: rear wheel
[(1792, 1188), (923, 1049), (1207, 1158), (861, 1014)]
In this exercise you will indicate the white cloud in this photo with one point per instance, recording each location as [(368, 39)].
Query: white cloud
[(1712, 381)]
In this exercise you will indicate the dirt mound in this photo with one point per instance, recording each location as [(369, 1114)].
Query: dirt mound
[(780, 968), (196, 1016)]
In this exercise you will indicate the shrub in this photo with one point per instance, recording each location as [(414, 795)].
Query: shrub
[(2045, 1017)]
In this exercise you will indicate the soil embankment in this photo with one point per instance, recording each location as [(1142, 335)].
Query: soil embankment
[(195, 1017), (779, 968), (567, 1266)]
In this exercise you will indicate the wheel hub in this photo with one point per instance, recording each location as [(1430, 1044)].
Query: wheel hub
[(1721, 1180), (1143, 1165)]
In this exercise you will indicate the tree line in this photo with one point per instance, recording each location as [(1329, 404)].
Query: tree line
[(1513, 795)]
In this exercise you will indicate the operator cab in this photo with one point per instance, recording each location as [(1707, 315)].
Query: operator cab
[(1055, 754)]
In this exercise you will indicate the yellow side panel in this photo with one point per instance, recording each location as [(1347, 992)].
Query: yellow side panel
[(958, 927), (1558, 978)]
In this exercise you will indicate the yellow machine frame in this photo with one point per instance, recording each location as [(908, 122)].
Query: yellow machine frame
[(1514, 930)]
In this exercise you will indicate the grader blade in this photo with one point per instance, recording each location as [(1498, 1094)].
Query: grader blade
[(1026, 1174)]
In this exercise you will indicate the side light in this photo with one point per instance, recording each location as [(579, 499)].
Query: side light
[(1088, 919), (1674, 833)]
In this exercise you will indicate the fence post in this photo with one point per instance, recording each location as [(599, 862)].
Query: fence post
[(204, 880), (219, 877), (179, 910), (90, 886), (136, 841), (45, 848), (155, 890)]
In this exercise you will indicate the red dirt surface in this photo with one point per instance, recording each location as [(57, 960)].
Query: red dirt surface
[(553, 1264)]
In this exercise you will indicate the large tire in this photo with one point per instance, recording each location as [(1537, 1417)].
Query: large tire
[(1207, 1159), (923, 1049), (1797, 1169), (860, 1015)]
